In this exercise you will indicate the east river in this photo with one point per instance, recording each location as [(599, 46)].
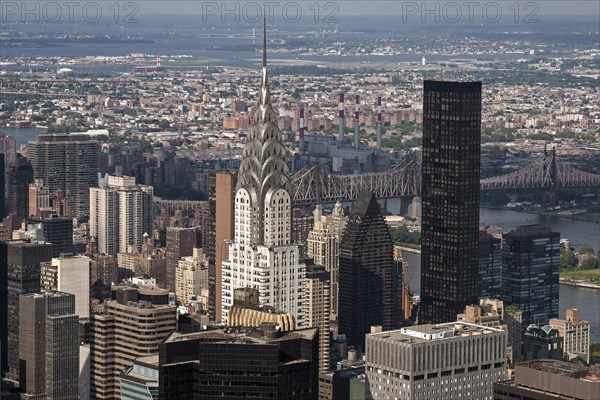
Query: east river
[(579, 232)]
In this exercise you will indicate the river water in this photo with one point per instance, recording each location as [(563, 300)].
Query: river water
[(579, 232)]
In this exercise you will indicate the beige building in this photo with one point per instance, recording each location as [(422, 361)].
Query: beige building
[(120, 213), (69, 274), (323, 247), (318, 301), (575, 333), (191, 276), (127, 329), (491, 312)]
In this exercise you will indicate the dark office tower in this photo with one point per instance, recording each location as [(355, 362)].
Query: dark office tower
[(228, 364), (58, 231), (366, 272), (19, 274), (2, 188), (450, 199), (68, 163), (530, 272), (490, 266), (19, 175), (48, 346), (180, 243)]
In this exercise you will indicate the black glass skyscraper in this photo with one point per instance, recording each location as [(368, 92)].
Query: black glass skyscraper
[(450, 196), (530, 272), (366, 292)]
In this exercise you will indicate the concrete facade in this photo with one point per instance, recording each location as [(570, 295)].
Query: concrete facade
[(444, 361)]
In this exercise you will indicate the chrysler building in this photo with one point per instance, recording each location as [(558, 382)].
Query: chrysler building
[(262, 255)]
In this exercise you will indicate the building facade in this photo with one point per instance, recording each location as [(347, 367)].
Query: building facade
[(450, 199), (550, 380), (366, 291), (67, 162), (225, 184), (443, 361), (530, 272), (247, 363), (120, 214), (140, 382), (323, 246), (180, 243), (318, 289), (19, 275), (490, 266), (48, 346), (262, 254), (126, 330), (19, 175), (69, 274), (191, 276), (575, 333)]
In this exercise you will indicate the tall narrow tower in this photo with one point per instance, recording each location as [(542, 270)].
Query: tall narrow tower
[(262, 255), (450, 217)]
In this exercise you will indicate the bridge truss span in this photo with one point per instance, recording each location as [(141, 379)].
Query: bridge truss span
[(312, 184)]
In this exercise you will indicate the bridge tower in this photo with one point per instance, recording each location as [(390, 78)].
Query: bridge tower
[(550, 195)]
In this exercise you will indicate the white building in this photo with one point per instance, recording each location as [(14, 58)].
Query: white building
[(445, 362), (120, 213), (262, 255), (69, 274)]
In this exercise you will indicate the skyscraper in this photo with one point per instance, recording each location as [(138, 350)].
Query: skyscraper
[(2, 187), (48, 346), (58, 231), (224, 230), (20, 267), (69, 274), (8, 147), (490, 266), (20, 175), (262, 254), (366, 272), (318, 289), (530, 272), (191, 276), (67, 162), (120, 214), (126, 330), (450, 199), (180, 243), (323, 246)]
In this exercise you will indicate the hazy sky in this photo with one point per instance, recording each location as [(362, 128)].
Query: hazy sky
[(379, 7)]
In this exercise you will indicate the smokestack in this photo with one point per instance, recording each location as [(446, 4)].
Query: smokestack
[(379, 122), (356, 124), (158, 61), (342, 120), (301, 147)]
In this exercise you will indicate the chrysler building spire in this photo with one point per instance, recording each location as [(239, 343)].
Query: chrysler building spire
[(264, 169), (262, 255)]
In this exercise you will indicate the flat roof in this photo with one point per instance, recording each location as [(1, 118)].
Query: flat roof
[(431, 332)]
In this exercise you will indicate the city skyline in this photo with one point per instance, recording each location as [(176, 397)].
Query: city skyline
[(189, 213)]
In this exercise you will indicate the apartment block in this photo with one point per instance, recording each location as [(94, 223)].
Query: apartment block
[(125, 331)]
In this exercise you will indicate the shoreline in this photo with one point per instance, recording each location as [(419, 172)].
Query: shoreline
[(544, 213), (579, 284)]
